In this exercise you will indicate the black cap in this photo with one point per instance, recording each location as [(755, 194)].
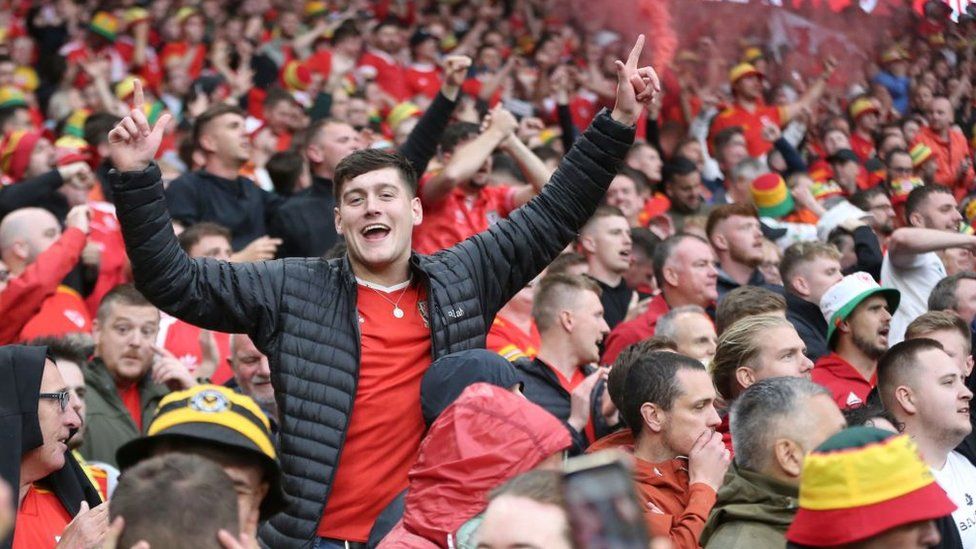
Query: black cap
[(843, 155)]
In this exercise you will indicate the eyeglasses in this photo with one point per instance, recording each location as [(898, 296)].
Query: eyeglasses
[(63, 398), (894, 169)]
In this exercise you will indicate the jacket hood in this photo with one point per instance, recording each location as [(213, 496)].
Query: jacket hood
[(486, 437), (753, 497), (21, 369), (448, 377)]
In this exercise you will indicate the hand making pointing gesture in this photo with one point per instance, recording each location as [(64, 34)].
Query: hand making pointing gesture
[(636, 86), (132, 143)]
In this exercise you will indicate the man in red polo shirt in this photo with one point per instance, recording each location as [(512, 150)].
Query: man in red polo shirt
[(750, 112), (858, 314), (24, 235), (458, 201), (684, 266)]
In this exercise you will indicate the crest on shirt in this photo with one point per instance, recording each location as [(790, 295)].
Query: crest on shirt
[(492, 217), (853, 400), (422, 309), (75, 317), (209, 401)]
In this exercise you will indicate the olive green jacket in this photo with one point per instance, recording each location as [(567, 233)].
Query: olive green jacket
[(108, 424), (752, 511)]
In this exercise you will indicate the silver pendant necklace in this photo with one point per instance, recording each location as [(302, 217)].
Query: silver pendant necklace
[(397, 311)]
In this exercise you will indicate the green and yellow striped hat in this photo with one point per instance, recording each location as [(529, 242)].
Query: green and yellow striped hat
[(861, 482)]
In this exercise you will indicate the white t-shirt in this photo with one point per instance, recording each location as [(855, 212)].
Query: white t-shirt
[(958, 479), (915, 282)]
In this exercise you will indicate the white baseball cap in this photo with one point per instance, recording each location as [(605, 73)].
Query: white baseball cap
[(842, 298)]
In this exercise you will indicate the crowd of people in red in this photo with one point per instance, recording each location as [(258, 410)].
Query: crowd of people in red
[(353, 273)]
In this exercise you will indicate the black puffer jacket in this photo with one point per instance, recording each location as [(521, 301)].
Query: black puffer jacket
[(301, 313)]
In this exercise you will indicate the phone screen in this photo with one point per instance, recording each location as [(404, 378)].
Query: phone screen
[(603, 509)]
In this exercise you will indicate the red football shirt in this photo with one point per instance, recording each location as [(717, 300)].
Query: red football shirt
[(386, 425), (129, 393), (751, 123), (845, 383), (423, 79), (63, 313), (113, 265), (459, 215), (506, 339), (183, 340), (40, 520), (390, 76)]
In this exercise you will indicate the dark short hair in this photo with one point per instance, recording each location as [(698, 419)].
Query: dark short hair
[(284, 169), (862, 199), (645, 240), (920, 195), (641, 183), (211, 114), (677, 167), (176, 500), (275, 96), (724, 137), (97, 126), (898, 362), (71, 347), (370, 160), (943, 296), (124, 294), (725, 211), (192, 235), (746, 301), (892, 153), (618, 373), (457, 133), (653, 378), (665, 249)]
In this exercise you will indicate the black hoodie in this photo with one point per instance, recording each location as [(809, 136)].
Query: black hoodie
[(21, 368)]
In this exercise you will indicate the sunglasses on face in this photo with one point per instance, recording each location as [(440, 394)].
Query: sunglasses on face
[(63, 398)]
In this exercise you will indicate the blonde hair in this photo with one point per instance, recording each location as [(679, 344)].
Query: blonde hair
[(737, 345)]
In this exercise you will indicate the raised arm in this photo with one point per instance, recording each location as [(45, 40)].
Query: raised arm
[(908, 242), (468, 158), (422, 142), (514, 250), (217, 295)]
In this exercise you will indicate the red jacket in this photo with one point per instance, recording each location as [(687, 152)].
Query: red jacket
[(632, 331), (683, 508), (24, 295), (486, 437), (845, 383)]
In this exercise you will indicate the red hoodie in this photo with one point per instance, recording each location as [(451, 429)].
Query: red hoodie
[(486, 437), (24, 295)]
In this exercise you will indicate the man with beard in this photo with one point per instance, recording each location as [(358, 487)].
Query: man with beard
[(125, 379), (736, 236), (458, 201), (912, 265), (683, 186), (252, 373), (877, 203), (605, 243), (924, 389), (561, 378), (858, 315)]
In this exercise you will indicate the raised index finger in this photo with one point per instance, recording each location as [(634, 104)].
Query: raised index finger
[(138, 99), (635, 53)]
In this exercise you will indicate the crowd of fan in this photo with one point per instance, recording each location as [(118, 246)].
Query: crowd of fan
[(752, 276)]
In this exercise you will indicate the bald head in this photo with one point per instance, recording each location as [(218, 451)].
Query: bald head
[(24, 234), (940, 114)]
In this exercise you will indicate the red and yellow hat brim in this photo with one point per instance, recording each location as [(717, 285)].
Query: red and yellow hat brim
[(743, 70)]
